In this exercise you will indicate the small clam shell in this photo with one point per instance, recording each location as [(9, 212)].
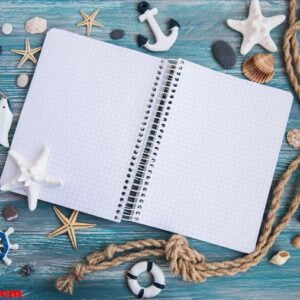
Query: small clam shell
[(293, 138), (259, 68), (280, 258)]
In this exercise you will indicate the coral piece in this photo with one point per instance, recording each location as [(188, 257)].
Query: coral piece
[(293, 138), (6, 119), (280, 258), (27, 270), (5, 245), (36, 25), (256, 28), (89, 21), (28, 53), (259, 68), (32, 176)]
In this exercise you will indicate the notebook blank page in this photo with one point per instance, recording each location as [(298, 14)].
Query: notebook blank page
[(86, 102), (217, 158)]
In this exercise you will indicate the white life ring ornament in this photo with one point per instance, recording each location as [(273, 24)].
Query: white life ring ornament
[(155, 288)]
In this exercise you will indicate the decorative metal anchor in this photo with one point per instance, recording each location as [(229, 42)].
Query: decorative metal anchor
[(163, 42)]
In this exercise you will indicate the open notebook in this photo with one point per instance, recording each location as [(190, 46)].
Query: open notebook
[(166, 143)]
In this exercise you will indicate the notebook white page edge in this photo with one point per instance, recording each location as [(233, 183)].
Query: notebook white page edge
[(96, 76), (164, 209)]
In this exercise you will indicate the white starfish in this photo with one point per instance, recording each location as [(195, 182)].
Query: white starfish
[(256, 28), (32, 176)]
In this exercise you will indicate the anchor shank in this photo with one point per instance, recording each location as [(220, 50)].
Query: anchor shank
[(157, 32)]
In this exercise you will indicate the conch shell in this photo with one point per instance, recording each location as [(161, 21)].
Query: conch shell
[(259, 68), (280, 258)]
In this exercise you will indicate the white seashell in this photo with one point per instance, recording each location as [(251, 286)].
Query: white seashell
[(36, 25), (280, 258), (7, 28), (6, 118), (22, 80)]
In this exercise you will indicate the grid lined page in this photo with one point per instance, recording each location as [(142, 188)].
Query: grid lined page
[(217, 158), (86, 102)]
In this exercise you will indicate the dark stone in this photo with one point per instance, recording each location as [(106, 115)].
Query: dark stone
[(224, 54), (26, 270), (141, 40), (173, 23), (143, 6), (10, 213), (117, 34), (0, 49)]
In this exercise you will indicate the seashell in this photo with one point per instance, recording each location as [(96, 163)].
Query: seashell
[(259, 68), (296, 241), (293, 138), (36, 25), (280, 258)]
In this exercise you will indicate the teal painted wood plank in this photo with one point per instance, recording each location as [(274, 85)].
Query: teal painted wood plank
[(202, 21)]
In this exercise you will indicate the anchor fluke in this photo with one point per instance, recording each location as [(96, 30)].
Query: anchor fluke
[(173, 23), (141, 40), (143, 6)]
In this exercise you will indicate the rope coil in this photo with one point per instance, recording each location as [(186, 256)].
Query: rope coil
[(291, 48), (183, 260)]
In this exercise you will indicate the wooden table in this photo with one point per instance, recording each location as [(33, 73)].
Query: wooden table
[(202, 22)]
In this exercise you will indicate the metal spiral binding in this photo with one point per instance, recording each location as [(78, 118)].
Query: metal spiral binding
[(149, 140)]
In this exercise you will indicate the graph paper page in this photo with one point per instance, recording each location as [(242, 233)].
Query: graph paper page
[(86, 102), (217, 158)]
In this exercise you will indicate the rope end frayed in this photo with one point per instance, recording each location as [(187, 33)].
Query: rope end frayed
[(65, 285)]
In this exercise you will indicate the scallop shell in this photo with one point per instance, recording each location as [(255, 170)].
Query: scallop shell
[(259, 68), (293, 138)]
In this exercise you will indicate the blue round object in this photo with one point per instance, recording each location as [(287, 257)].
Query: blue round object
[(4, 242), (143, 6)]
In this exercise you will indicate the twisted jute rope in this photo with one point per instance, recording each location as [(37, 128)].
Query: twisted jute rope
[(184, 261), (291, 48)]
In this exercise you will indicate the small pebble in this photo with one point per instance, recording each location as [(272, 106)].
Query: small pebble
[(296, 241), (36, 25), (117, 34), (22, 80), (10, 213), (26, 270), (224, 54), (7, 28)]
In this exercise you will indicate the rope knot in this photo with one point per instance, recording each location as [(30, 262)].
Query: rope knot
[(78, 271), (183, 260), (109, 251)]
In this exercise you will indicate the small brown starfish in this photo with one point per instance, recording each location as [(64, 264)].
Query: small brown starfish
[(28, 53), (70, 225), (89, 21)]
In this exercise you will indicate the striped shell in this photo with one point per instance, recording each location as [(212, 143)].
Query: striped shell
[(259, 68)]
